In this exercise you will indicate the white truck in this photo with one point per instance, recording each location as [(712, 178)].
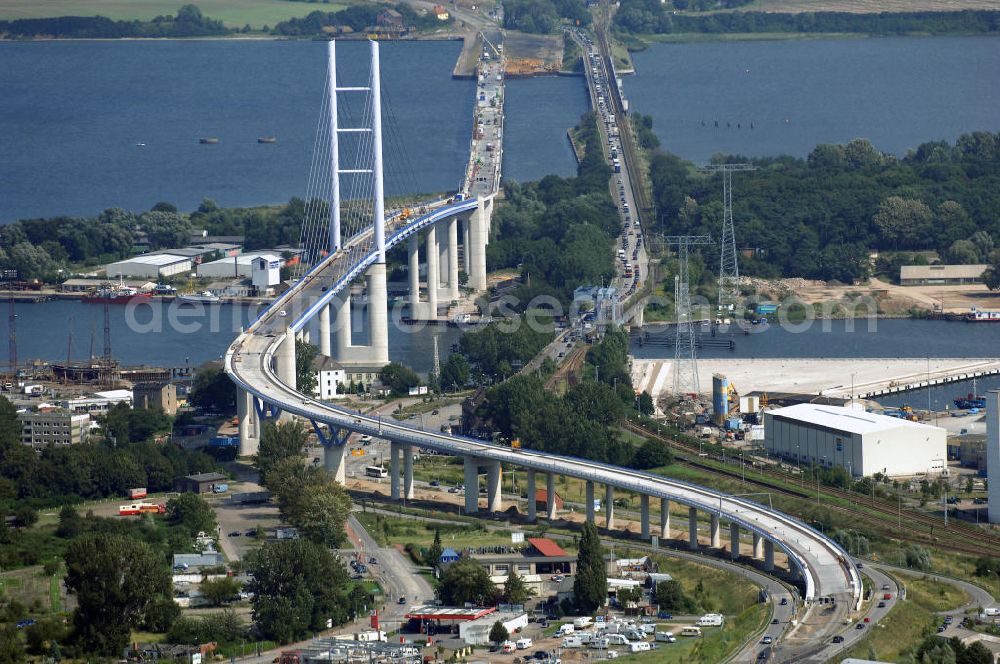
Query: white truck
[(565, 629), (665, 637)]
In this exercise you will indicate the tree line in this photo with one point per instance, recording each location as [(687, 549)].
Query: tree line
[(188, 22), (543, 16), (651, 16), (558, 231), (355, 18), (820, 217)]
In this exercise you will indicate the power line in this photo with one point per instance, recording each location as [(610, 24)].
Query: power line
[(685, 353), (729, 270)]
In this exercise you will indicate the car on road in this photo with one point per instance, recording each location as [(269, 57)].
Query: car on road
[(235, 533), (774, 621), (767, 640), (401, 600), (881, 605), (885, 586), (434, 483), (838, 639), (784, 601), (867, 619), (250, 533), (860, 626), (372, 560), (663, 615)]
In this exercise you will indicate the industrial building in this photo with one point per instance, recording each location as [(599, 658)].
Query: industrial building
[(150, 266), (240, 266), (477, 632), (861, 442), (199, 483), (53, 428), (158, 396), (993, 454), (933, 275)]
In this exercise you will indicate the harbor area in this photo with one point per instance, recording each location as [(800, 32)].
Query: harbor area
[(827, 377)]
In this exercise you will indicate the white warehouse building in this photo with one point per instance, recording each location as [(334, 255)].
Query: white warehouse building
[(861, 442), (150, 266), (235, 266)]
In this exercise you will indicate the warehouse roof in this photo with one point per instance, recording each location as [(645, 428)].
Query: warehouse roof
[(852, 420), (155, 259), (244, 259), (941, 271)]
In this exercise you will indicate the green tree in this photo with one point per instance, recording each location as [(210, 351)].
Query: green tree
[(297, 585), (10, 427), (11, 646), (398, 378), (466, 581), (498, 633), (115, 579), (455, 372), (315, 505), (212, 390), (25, 516), (435, 551), (277, 442), (515, 590), (652, 454), (191, 513), (305, 376), (219, 591), (646, 405), (670, 596), (590, 587)]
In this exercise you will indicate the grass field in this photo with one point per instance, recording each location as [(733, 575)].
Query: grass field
[(868, 6), (234, 13)]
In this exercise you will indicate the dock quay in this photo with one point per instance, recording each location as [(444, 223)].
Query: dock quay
[(872, 377)]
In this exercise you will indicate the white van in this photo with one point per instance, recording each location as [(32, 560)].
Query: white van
[(711, 620), (665, 637), (638, 646), (572, 642), (565, 629), (617, 639), (523, 644), (691, 630)]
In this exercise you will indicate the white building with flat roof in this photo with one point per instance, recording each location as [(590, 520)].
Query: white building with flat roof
[(150, 266), (863, 443), (240, 266), (993, 454)]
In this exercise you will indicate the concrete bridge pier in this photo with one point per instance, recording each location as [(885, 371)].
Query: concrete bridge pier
[(768, 556), (532, 506), (465, 246), (609, 506), (494, 482), (433, 272), (249, 442), (453, 258), (442, 248), (378, 315), (590, 502), (550, 497), (644, 516), (407, 472), (394, 470), (471, 468), (734, 540), (342, 323), (478, 237), (413, 273), (692, 529), (758, 546), (324, 331), (715, 531), (664, 518), (333, 461), (286, 367)]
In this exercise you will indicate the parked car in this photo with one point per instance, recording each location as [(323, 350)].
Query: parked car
[(235, 533), (401, 600), (838, 639)]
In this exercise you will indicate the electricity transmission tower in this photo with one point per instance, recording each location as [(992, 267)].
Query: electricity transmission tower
[(685, 354), (729, 270)]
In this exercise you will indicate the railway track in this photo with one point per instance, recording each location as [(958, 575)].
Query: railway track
[(915, 526), (570, 369)]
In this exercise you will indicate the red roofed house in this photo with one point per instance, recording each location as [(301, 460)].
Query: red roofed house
[(542, 556), (542, 500), (441, 13)]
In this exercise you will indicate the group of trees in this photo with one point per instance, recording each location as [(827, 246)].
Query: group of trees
[(90, 470), (934, 650), (466, 581), (496, 351), (821, 217), (306, 495), (39, 248), (558, 231), (355, 18), (297, 586), (212, 390), (652, 16), (543, 16), (188, 22)]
